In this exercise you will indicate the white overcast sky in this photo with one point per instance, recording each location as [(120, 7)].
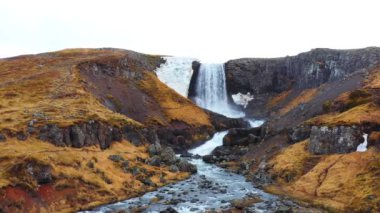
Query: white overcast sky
[(211, 30)]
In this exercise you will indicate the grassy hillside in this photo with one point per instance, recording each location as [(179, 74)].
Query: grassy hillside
[(70, 87)]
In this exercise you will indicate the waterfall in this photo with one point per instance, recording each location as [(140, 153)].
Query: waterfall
[(176, 73), (211, 90)]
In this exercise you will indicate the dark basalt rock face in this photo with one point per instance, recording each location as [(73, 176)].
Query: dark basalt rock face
[(330, 140), (306, 70), (265, 78), (94, 133), (193, 81)]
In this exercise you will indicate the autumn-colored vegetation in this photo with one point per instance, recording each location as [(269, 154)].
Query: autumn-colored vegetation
[(304, 97), (340, 182), (49, 88), (278, 99), (83, 178)]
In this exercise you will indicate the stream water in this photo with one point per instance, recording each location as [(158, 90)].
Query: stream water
[(212, 188)]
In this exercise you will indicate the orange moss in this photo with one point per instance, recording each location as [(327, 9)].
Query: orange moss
[(175, 107), (366, 113), (304, 97), (338, 182), (288, 165), (104, 182), (373, 81), (47, 88), (278, 99)]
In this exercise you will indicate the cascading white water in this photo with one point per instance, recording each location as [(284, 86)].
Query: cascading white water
[(211, 90), (176, 73)]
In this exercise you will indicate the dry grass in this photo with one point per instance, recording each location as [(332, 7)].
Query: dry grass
[(373, 81), (288, 165), (175, 107), (338, 182), (366, 113), (105, 182), (278, 99), (49, 90), (304, 97)]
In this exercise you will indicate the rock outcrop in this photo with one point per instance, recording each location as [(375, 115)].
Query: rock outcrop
[(221, 122), (243, 137), (193, 81), (306, 70), (330, 140)]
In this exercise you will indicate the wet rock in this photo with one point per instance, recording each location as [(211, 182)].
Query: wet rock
[(169, 210), (185, 166), (330, 140), (186, 155), (221, 122), (173, 168), (209, 159), (245, 202), (116, 158), (2, 138), (242, 137), (284, 209)]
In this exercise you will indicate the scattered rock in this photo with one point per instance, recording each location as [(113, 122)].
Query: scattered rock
[(245, 202), (148, 182), (169, 210), (2, 138), (125, 165), (243, 137), (154, 149), (154, 161), (21, 136), (116, 158), (284, 209), (168, 156), (173, 168)]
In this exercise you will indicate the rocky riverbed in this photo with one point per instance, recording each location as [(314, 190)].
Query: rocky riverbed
[(210, 189)]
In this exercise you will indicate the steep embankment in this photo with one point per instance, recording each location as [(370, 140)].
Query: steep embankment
[(76, 125), (323, 102)]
